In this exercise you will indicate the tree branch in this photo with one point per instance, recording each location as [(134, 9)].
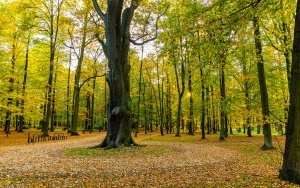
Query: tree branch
[(156, 28), (253, 4), (95, 76), (98, 10), (104, 47)]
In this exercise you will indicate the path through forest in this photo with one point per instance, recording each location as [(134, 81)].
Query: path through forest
[(200, 164)]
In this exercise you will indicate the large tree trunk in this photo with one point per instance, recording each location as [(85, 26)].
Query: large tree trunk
[(117, 25), (291, 159), (263, 87)]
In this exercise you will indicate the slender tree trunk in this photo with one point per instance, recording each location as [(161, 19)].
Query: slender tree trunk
[(76, 96), (223, 99), (247, 96), (53, 35), (208, 111), (263, 87), (168, 106), (68, 93), (291, 159), (180, 95), (214, 111), (160, 97), (53, 112), (191, 101), (93, 104), (182, 85), (203, 106), (139, 95), (10, 90), (24, 86)]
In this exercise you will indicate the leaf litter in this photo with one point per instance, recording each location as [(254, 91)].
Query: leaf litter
[(201, 164)]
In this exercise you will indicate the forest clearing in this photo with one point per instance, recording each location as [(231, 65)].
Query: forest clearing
[(178, 68), (166, 161)]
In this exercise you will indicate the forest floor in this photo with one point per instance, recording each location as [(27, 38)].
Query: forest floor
[(166, 161)]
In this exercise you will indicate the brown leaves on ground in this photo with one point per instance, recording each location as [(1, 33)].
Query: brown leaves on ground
[(237, 162)]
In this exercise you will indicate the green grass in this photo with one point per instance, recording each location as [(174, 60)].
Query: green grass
[(119, 152)]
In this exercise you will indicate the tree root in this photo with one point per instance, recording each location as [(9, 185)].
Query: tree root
[(111, 145), (265, 148), (74, 134)]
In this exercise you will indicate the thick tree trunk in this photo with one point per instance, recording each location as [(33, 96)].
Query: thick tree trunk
[(291, 159), (263, 88), (117, 25)]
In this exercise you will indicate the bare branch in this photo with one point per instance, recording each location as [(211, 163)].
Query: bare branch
[(98, 10), (72, 43)]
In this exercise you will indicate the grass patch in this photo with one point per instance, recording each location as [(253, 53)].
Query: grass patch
[(119, 152), (184, 138)]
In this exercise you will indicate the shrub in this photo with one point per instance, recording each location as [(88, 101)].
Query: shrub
[(98, 127), (26, 127)]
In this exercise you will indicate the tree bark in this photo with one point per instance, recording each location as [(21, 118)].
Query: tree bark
[(247, 95), (223, 131), (68, 94), (24, 86), (291, 159), (53, 33), (203, 117), (117, 26), (263, 88), (76, 91), (11, 81), (191, 101)]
